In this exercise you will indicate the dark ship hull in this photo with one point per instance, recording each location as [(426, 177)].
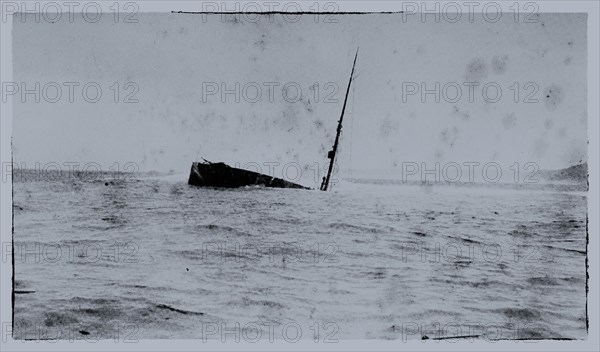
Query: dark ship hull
[(221, 175)]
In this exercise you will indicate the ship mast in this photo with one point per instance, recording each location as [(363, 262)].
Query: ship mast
[(331, 154)]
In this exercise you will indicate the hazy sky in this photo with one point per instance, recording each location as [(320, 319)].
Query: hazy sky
[(176, 60)]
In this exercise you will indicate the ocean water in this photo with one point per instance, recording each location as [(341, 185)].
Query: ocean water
[(155, 258)]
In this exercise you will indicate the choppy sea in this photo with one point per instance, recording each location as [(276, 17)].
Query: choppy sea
[(151, 257)]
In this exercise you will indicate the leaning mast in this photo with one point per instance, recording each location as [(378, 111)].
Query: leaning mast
[(331, 154)]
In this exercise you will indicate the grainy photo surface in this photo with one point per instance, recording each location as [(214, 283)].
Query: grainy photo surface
[(251, 174)]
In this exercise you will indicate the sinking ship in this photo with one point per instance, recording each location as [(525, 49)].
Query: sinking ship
[(221, 175)]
